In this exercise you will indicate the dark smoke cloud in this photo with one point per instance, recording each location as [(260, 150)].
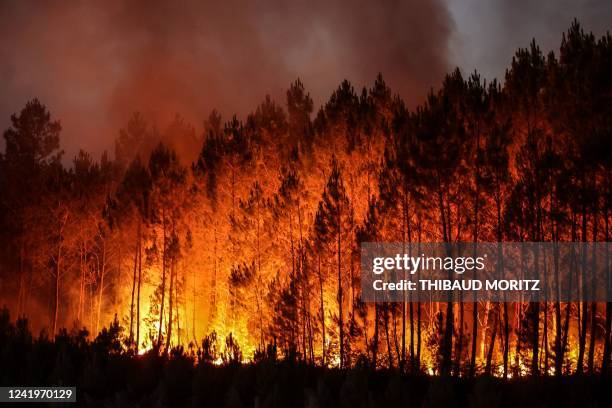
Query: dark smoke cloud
[(489, 32), (95, 63)]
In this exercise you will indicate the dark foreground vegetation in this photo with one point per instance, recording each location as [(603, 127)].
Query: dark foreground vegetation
[(106, 375)]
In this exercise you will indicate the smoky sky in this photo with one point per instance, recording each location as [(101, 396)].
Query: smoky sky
[(488, 32), (94, 63)]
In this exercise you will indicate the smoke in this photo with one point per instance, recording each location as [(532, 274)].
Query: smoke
[(94, 64), (491, 31)]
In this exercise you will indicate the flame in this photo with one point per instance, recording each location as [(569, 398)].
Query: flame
[(241, 327)]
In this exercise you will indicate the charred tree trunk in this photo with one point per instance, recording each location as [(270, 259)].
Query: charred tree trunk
[(492, 343), (591, 356), (58, 271), (340, 300), (163, 282), (102, 269), (418, 356), (22, 280), (82, 271), (170, 301), (134, 278), (605, 364), (406, 234), (573, 271), (583, 320), (535, 322), (472, 370), (389, 352), (376, 335), (139, 284), (447, 341), (559, 349), (322, 306)]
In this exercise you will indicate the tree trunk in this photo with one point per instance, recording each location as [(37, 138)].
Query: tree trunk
[(376, 334), (492, 343), (447, 341), (58, 269), (605, 363), (163, 283), (322, 312), (406, 234), (213, 284), (101, 288), (138, 290), (57, 283), (535, 368), (82, 266), (177, 305), (583, 327), (591, 357), (506, 339), (170, 301), (22, 284), (134, 279), (193, 306), (459, 346), (395, 336), (559, 350), (389, 352), (472, 370), (340, 315), (418, 357)]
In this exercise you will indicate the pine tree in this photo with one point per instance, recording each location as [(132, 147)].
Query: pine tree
[(332, 229)]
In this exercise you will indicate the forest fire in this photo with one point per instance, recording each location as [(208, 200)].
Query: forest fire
[(251, 253)]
